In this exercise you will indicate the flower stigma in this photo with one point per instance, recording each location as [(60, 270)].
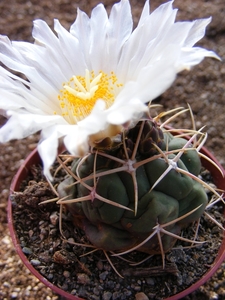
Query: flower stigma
[(79, 95)]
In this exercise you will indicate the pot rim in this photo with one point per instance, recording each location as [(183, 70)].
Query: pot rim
[(34, 158)]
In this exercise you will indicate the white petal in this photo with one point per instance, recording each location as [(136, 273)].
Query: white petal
[(21, 125), (197, 31), (37, 80), (98, 50), (119, 29), (48, 150), (81, 30), (145, 38), (121, 22), (76, 142), (14, 93), (96, 121), (70, 45), (48, 145), (131, 111), (154, 78), (44, 36), (145, 13), (193, 56)]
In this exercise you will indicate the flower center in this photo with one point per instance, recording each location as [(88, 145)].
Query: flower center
[(79, 95)]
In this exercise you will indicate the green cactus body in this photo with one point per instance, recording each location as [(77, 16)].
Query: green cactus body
[(174, 184), (110, 187), (115, 228)]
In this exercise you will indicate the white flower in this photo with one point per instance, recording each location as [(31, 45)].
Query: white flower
[(86, 84)]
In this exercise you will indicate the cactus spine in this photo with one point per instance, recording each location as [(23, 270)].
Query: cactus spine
[(121, 194)]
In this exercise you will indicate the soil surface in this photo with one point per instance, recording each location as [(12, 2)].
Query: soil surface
[(89, 274), (203, 88)]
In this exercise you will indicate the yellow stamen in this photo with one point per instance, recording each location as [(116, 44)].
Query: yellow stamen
[(79, 95)]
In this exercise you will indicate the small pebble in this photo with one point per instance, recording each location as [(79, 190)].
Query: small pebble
[(54, 218), (53, 232), (141, 296), (213, 296), (96, 291), (103, 275), (50, 276), (83, 278), (116, 295), (6, 284), (14, 295), (30, 232), (66, 274), (100, 265), (26, 250), (127, 293), (107, 296), (137, 288), (35, 262), (110, 284), (6, 240)]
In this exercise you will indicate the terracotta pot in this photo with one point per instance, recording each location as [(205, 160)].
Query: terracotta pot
[(34, 158)]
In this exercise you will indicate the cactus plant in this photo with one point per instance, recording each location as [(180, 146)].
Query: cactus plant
[(138, 194)]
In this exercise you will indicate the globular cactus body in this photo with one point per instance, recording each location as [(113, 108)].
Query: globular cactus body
[(112, 227)]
